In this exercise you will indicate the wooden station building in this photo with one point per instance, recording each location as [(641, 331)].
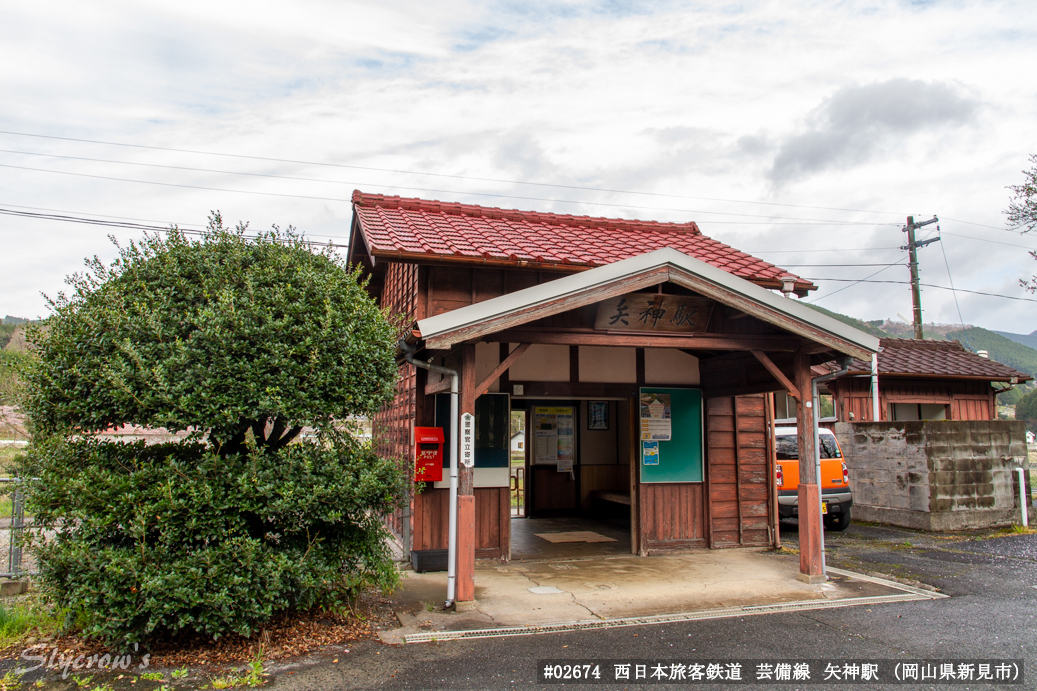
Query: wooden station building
[(640, 350)]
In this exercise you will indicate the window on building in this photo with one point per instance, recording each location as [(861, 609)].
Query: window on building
[(785, 407), (918, 411)]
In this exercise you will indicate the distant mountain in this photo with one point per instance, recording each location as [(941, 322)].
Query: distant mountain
[(15, 320), (1015, 355), (1029, 340), (867, 327)]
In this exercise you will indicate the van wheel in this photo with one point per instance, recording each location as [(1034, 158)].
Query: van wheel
[(838, 521)]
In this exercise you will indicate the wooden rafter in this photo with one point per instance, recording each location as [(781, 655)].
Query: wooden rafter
[(501, 369), (438, 387), (777, 373), (691, 342)]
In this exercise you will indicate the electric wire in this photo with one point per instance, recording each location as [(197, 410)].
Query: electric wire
[(947, 264), (122, 222), (855, 282), (133, 226), (906, 283), (446, 175), (87, 213), (440, 175), (783, 219), (995, 242)]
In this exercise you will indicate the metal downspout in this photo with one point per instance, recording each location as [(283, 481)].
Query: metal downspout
[(874, 387), (451, 580), (814, 381)]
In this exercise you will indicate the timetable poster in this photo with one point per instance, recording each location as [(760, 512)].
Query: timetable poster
[(553, 437), (656, 416)]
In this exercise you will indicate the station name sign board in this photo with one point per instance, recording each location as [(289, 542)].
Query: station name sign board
[(654, 312)]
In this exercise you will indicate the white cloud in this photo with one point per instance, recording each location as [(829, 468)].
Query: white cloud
[(706, 100)]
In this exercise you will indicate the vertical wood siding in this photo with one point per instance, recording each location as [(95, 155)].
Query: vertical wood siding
[(737, 471), (672, 516), (969, 400), (492, 510)]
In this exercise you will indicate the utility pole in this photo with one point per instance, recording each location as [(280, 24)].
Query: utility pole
[(912, 248)]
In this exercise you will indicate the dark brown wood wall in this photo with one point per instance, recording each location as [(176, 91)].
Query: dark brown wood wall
[(968, 399), (492, 511), (672, 516), (392, 426), (739, 503), (446, 288)]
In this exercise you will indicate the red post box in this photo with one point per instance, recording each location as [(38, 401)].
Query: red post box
[(428, 445)]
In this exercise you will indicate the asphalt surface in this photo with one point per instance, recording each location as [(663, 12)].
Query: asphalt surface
[(992, 582)]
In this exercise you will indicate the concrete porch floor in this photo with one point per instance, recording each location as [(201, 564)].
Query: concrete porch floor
[(526, 546), (559, 594)]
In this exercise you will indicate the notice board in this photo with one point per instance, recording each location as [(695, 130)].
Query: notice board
[(679, 458), (554, 441)]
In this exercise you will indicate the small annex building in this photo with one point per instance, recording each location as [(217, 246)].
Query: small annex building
[(924, 380), (638, 352)]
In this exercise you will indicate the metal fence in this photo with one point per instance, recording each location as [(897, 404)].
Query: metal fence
[(12, 529)]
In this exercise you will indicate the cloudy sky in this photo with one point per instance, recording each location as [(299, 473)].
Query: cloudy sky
[(803, 132)]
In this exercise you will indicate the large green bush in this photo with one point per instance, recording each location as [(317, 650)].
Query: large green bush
[(241, 343)]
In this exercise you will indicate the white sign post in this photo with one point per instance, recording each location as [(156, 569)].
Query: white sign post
[(468, 440)]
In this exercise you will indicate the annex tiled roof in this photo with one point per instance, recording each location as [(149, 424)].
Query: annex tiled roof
[(908, 357), (418, 228)]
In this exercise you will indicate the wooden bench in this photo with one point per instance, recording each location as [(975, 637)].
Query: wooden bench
[(614, 496)]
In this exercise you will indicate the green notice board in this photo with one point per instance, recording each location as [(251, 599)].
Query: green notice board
[(679, 458)]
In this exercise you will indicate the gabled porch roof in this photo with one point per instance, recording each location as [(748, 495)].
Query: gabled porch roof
[(636, 273)]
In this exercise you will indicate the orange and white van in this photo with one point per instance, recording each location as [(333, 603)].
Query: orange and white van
[(836, 498)]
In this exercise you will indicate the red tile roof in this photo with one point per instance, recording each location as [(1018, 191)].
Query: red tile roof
[(424, 229), (908, 357)]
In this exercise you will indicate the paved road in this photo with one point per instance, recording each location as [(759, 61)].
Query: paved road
[(991, 614)]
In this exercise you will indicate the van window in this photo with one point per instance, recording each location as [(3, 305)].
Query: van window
[(788, 448)]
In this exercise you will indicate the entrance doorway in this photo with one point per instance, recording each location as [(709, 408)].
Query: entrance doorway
[(570, 469), (518, 463)]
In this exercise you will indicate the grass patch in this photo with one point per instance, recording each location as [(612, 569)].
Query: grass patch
[(785, 550), (25, 616), (11, 363), (1015, 530), (9, 456), (253, 676)]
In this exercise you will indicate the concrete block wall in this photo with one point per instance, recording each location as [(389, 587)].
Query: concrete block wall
[(934, 475)]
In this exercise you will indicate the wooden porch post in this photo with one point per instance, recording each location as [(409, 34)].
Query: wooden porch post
[(809, 513), (466, 488)]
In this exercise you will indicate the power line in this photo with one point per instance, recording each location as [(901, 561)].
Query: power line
[(85, 217), (440, 175), (126, 224), (981, 225), (821, 297), (954, 292), (450, 176), (165, 229), (834, 266), (839, 249), (87, 213), (904, 283), (796, 221), (996, 242)]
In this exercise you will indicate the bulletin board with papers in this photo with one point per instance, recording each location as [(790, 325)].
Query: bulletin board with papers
[(554, 439), (671, 422)]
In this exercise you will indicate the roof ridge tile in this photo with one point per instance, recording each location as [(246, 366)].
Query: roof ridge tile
[(368, 200)]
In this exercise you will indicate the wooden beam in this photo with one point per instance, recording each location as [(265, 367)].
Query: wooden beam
[(501, 369), (530, 313), (699, 342), (438, 387), (778, 374)]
